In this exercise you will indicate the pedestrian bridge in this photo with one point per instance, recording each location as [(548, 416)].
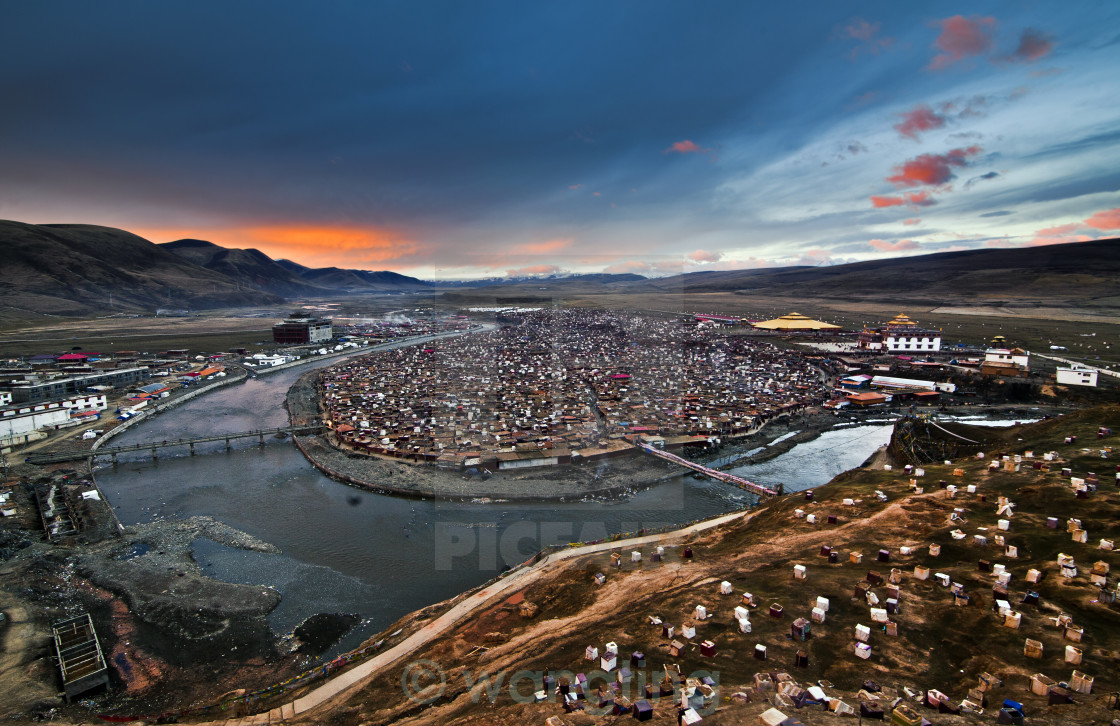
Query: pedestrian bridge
[(154, 446), (722, 476)]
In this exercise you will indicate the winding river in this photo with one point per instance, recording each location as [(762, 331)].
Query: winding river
[(381, 557)]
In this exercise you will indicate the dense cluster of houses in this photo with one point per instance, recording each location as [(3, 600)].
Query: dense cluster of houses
[(560, 386)]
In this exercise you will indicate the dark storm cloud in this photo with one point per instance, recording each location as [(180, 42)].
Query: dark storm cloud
[(386, 109)]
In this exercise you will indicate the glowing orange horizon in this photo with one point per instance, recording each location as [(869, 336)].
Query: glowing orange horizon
[(310, 245)]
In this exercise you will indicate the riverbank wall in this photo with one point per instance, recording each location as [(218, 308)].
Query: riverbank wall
[(144, 415)]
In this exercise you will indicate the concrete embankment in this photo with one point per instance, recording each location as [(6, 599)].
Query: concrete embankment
[(172, 402)]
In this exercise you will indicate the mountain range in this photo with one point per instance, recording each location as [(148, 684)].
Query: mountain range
[(78, 270), (1086, 272)]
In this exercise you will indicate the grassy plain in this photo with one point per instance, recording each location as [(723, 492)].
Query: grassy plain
[(1089, 334)]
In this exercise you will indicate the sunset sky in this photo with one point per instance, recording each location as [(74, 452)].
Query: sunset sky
[(468, 139)]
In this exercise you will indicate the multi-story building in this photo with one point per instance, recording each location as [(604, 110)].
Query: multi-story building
[(60, 388), (301, 329)]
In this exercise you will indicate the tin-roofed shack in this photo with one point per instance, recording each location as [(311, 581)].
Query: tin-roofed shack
[(558, 386)]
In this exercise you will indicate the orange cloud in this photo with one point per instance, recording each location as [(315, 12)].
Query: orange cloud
[(686, 147), (918, 119), (911, 222), (343, 246), (1108, 219), (931, 169), (914, 199), (311, 245), (880, 202), (575, 186), (902, 245), (961, 38)]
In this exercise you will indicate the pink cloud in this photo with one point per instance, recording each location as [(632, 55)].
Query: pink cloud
[(860, 29), (868, 34), (962, 38), (1033, 44), (914, 199), (704, 256), (575, 186), (1108, 219), (918, 119), (863, 99), (931, 169), (1045, 241), (880, 202), (902, 245), (1065, 233), (541, 248), (1059, 231), (596, 194), (911, 222), (686, 147)]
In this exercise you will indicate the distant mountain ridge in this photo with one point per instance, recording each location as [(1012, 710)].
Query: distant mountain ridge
[(79, 269), (250, 265), (1079, 271), (285, 277)]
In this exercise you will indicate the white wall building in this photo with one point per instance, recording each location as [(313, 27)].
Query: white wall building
[(14, 428), (92, 402), (913, 341), (902, 335), (266, 361), (1018, 356), (1077, 375)]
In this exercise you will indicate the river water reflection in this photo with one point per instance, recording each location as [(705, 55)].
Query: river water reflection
[(380, 557)]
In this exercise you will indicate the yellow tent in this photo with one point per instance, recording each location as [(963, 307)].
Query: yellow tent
[(795, 321)]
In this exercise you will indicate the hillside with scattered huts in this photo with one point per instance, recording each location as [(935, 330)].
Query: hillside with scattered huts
[(975, 590)]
